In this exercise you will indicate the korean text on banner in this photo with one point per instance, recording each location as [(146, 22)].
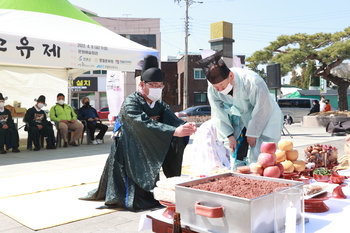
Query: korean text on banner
[(115, 91)]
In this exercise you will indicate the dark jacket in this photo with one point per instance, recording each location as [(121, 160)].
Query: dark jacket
[(315, 108), (87, 112)]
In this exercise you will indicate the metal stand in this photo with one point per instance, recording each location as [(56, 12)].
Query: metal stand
[(284, 128)]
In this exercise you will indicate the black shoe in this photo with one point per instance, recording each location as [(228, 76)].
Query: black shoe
[(50, 147), (36, 148), (15, 150), (3, 151), (65, 144), (73, 143)]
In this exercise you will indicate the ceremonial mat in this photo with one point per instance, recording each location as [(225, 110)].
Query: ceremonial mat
[(51, 208)]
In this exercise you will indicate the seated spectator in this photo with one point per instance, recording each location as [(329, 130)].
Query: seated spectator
[(66, 118), (315, 108), (8, 132), (328, 106), (39, 125), (89, 114)]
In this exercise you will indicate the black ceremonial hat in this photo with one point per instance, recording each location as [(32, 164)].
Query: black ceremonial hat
[(214, 67), (150, 70), (153, 74), (2, 97), (40, 99), (148, 62)]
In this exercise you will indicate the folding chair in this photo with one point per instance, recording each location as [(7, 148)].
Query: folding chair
[(88, 136)]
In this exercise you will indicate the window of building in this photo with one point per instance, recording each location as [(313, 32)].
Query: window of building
[(145, 40), (199, 74), (99, 71), (200, 97)]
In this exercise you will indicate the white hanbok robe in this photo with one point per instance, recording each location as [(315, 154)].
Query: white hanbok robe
[(251, 100)]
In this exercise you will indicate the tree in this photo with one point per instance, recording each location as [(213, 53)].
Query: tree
[(328, 50)]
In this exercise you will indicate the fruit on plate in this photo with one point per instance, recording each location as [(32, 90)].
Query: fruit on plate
[(272, 171), (299, 165), (266, 159), (288, 166), (285, 145), (280, 166), (292, 155), (321, 155), (280, 156), (268, 147)]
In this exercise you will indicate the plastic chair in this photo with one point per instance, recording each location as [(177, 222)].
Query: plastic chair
[(88, 136), (59, 136)]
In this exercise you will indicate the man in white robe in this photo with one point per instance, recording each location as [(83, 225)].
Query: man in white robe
[(244, 94)]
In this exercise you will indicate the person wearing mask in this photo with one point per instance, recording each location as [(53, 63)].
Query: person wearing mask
[(322, 103), (8, 132), (38, 125), (240, 100), (315, 108), (89, 114), (151, 137), (328, 106), (66, 119)]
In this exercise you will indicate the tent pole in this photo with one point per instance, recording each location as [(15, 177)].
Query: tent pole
[(69, 89)]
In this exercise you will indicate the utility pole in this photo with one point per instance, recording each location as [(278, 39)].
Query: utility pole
[(185, 82), (185, 88)]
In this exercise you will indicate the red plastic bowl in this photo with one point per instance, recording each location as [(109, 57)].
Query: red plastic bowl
[(322, 178)]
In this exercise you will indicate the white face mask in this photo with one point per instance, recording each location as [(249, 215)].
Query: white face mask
[(61, 102), (40, 105), (154, 94), (227, 89), (2, 104)]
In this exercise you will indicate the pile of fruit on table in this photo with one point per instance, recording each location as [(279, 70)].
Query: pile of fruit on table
[(279, 163)]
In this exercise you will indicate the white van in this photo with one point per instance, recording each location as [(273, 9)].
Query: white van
[(295, 107)]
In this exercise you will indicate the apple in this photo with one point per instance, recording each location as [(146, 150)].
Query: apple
[(266, 159), (272, 171), (268, 147), (280, 166)]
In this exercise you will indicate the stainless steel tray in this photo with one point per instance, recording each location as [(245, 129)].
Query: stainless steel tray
[(240, 215)]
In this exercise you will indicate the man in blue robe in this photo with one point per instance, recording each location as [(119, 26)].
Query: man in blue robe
[(240, 100)]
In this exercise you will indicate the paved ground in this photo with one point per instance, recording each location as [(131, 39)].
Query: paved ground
[(29, 162)]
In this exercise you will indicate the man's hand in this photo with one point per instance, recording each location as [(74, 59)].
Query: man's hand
[(39, 127), (251, 141), (96, 118), (185, 130), (72, 121), (64, 121), (5, 126), (232, 143)]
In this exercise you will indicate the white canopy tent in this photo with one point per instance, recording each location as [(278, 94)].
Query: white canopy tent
[(45, 42)]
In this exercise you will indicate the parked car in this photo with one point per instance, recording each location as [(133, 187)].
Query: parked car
[(203, 110), (103, 113), (295, 107)]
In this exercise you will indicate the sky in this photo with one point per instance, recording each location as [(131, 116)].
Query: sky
[(256, 23)]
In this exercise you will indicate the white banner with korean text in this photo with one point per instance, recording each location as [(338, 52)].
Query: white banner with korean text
[(114, 91), (23, 50)]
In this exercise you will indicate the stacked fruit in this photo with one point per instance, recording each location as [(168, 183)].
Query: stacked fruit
[(321, 155), (266, 165), (288, 157), (272, 163)]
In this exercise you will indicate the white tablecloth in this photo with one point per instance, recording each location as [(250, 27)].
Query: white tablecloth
[(337, 219)]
